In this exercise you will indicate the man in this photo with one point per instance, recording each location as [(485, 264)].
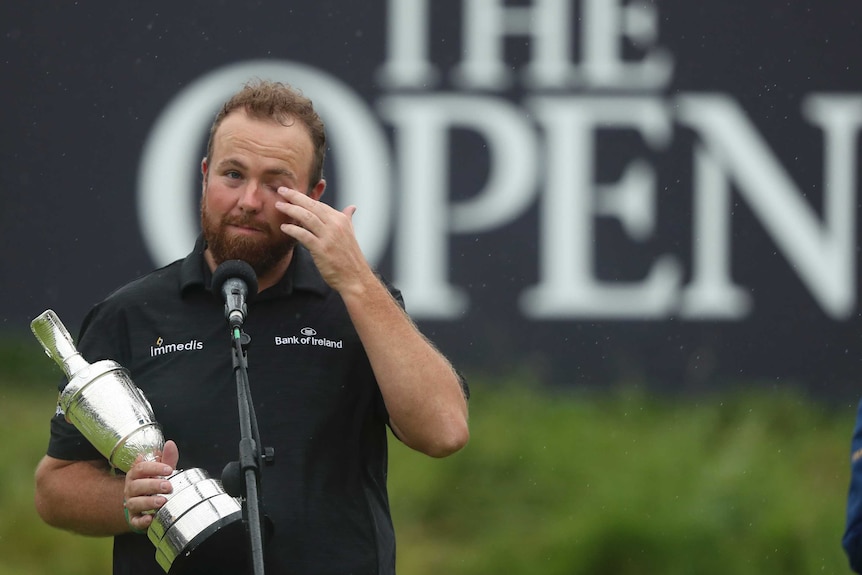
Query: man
[(322, 406), (852, 539)]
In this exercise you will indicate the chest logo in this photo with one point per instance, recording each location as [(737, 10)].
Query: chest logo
[(162, 348), (308, 336)]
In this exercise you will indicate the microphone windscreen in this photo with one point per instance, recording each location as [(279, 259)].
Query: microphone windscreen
[(235, 269)]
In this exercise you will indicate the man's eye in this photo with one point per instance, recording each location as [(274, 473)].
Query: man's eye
[(233, 174)]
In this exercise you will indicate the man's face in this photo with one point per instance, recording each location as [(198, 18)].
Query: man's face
[(251, 159)]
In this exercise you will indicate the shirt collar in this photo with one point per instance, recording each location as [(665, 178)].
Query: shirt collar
[(302, 274)]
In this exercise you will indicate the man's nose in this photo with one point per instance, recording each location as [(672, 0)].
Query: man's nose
[(251, 198)]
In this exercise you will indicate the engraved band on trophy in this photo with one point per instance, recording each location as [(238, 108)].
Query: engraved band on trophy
[(103, 403)]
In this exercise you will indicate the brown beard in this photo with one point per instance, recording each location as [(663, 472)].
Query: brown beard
[(262, 254)]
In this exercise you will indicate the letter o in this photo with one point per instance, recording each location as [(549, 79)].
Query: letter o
[(169, 167)]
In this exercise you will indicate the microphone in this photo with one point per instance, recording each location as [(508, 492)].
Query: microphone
[(236, 281)]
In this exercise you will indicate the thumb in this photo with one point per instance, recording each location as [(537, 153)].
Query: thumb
[(349, 211), (170, 454)]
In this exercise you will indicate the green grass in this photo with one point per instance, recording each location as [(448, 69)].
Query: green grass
[(28, 546), (561, 484), (552, 483)]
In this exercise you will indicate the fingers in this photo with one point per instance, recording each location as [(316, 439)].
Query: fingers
[(139, 510), (296, 197), (312, 219), (136, 523), (148, 473), (327, 233), (310, 206), (304, 211), (170, 454), (318, 208), (140, 519), (145, 487)]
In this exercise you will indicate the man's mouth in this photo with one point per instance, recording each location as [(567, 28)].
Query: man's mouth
[(245, 227)]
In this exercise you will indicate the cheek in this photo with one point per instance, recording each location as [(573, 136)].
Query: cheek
[(218, 200)]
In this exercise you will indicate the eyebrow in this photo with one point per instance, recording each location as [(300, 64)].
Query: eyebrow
[(234, 163)]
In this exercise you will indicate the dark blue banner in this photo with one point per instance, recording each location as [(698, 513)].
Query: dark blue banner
[(584, 192)]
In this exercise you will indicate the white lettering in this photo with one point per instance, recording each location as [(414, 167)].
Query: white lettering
[(820, 254), (711, 293), (840, 118), (175, 347), (486, 22), (566, 286), (407, 64), (542, 151), (425, 218), (605, 24), (308, 340)]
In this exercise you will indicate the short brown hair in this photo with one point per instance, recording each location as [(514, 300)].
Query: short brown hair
[(264, 99)]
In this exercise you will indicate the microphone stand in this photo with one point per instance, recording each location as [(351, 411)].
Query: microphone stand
[(250, 453)]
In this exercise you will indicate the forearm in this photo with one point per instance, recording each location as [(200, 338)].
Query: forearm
[(422, 391), (82, 496), (427, 408)]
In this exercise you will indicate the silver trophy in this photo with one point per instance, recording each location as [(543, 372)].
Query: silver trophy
[(200, 522)]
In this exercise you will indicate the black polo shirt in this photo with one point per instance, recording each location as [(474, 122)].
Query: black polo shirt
[(315, 396)]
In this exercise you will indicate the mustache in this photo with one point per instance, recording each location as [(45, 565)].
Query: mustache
[(246, 222)]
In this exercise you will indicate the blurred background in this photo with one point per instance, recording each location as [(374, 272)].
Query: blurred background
[(631, 224)]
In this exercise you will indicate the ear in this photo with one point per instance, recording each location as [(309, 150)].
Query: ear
[(204, 171), (317, 190)]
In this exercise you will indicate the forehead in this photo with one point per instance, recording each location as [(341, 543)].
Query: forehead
[(262, 139)]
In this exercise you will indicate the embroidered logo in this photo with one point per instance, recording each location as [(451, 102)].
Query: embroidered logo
[(308, 336), (162, 348)]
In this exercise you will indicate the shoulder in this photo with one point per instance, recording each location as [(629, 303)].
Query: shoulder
[(162, 284)]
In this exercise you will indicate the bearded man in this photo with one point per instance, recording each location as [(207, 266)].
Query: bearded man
[(322, 403)]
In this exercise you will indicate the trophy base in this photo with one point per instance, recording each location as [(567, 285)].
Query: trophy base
[(222, 547), (199, 525)]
